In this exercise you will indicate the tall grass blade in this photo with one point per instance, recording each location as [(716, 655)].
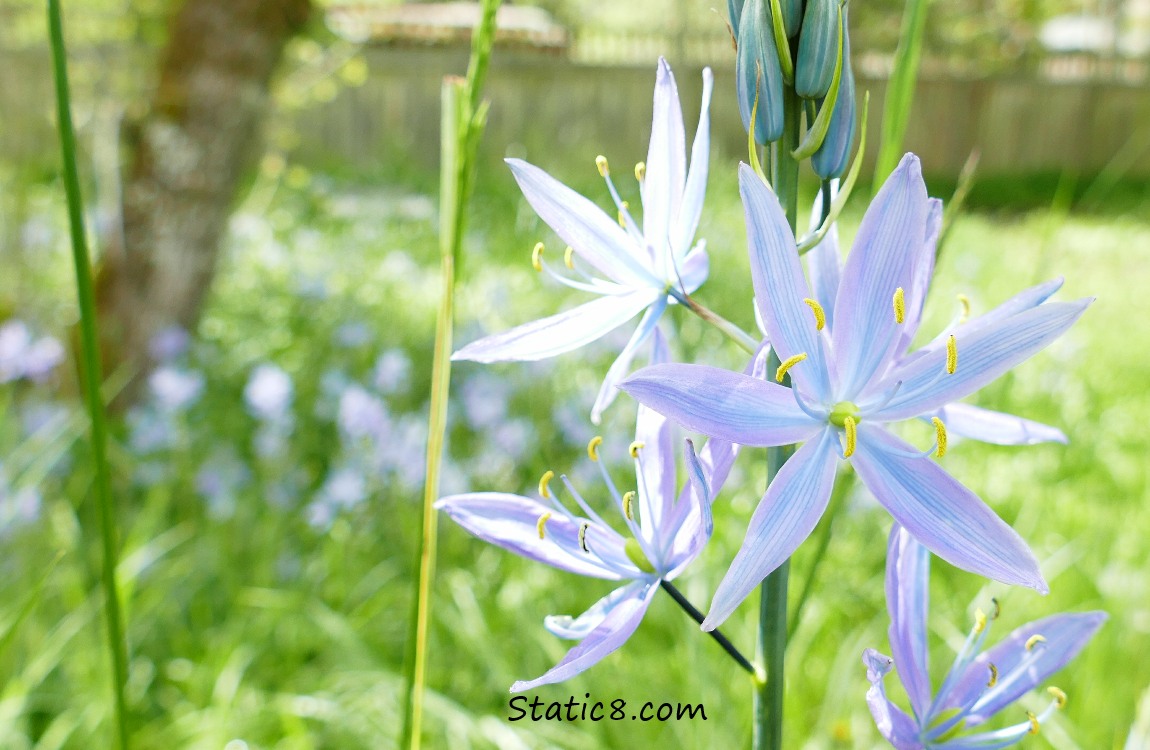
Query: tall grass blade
[(900, 89), (90, 360), (462, 119)]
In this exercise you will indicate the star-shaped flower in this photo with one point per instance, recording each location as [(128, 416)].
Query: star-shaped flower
[(980, 683), (662, 535), (645, 268), (851, 377)]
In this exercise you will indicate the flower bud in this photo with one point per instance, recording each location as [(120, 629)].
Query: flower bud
[(758, 72), (818, 49), (831, 158), (792, 15)]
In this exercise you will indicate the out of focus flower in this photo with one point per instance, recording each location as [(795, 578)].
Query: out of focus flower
[(362, 415), (353, 335), (646, 268), (392, 370), (268, 393), (980, 684), (170, 342), (219, 481), (23, 356), (175, 389)]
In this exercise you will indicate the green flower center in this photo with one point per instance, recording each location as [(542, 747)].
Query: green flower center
[(840, 412), (636, 555)]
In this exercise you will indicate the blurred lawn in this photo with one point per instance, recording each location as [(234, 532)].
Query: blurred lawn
[(263, 611)]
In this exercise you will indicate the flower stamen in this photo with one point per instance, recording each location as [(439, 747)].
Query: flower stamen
[(1033, 641), (537, 257), (979, 621), (787, 364), (628, 503), (997, 608), (583, 536), (568, 258), (601, 165), (820, 314), (965, 302), (636, 446), (951, 355), (940, 436), (993, 676), (899, 306), (542, 522), (851, 430), (1058, 695), (1033, 722), (640, 171), (544, 481), (623, 206), (593, 447)]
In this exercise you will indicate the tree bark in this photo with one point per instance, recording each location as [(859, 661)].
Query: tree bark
[(190, 156)]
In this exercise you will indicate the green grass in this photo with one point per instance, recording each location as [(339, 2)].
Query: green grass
[(256, 626)]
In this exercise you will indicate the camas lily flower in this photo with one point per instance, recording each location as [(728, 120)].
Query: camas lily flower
[(980, 683), (663, 535), (963, 420), (851, 377), (645, 268)]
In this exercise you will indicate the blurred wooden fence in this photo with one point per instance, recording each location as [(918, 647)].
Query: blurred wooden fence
[(552, 110)]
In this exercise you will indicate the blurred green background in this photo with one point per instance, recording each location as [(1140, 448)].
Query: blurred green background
[(269, 461)]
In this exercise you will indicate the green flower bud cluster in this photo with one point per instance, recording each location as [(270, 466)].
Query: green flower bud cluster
[(769, 34)]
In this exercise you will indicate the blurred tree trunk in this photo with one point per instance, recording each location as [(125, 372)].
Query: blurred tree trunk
[(188, 159)]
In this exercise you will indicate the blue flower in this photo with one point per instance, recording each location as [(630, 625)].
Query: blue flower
[(850, 375), (980, 683), (662, 535), (646, 268)]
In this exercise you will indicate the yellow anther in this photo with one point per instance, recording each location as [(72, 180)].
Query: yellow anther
[(1058, 696), (568, 257), (1033, 722), (979, 621), (537, 257), (544, 481), (601, 164), (628, 502), (583, 536), (852, 436), (993, 676), (543, 519), (940, 436), (951, 355), (640, 171), (593, 447), (636, 446), (997, 609), (787, 364), (965, 302), (899, 306), (820, 315), (623, 206), (1033, 641)]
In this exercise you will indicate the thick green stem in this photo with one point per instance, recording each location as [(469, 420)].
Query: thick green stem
[(462, 119), (90, 355), (768, 730)]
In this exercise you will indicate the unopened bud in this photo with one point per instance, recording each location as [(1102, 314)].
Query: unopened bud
[(818, 49), (831, 159), (758, 73)]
